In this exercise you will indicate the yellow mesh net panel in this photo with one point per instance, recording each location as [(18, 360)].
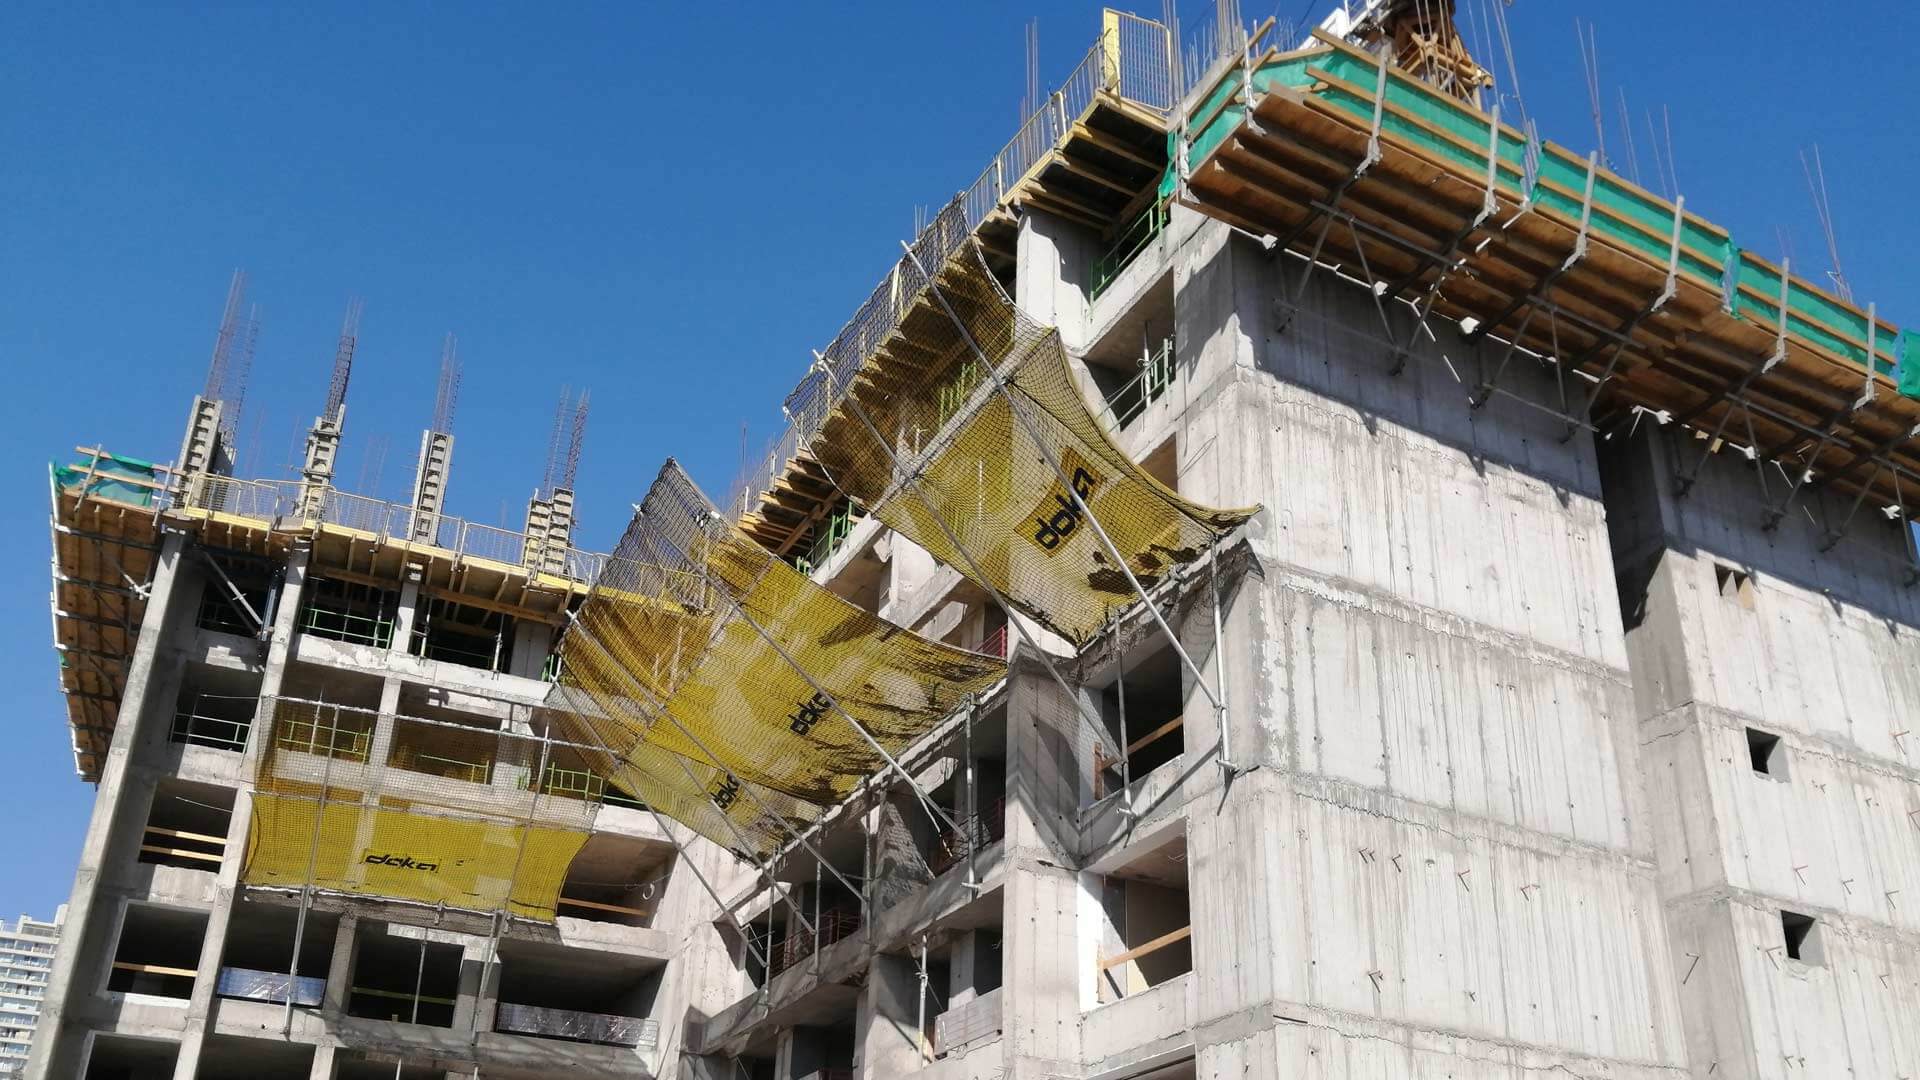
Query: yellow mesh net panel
[(349, 800), (915, 402), (691, 650)]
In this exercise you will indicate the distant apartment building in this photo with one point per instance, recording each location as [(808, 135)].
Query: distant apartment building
[(26, 956)]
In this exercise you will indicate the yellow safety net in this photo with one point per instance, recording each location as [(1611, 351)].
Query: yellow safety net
[(715, 675), (352, 801), (910, 424)]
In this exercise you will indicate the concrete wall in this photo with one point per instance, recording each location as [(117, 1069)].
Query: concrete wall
[(1823, 651)]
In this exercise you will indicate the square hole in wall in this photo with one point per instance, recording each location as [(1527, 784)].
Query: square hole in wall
[(1802, 934), (1734, 584), (1769, 757)]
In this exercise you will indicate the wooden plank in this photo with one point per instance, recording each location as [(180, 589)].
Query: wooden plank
[(1155, 735), (181, 835), (1153, 946), (155, 969), (181, 853), (569, 901)]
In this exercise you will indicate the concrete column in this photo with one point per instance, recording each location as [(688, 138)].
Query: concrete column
[(111, 832), (200, 1006), (963, 980), (799, 1053), (889, 1043), (1055, 266), (340, 969), (324, 1065), (1045, 780), (408, 614), (532, 644), (479, 992)]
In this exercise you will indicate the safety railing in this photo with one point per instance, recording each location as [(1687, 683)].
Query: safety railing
[(248, 984), (1134, 239), (995, 644), (1157, 374), (348, 626), (1133, 60), (973, 833), (834, 924), (327, 738), (631, 1031), (210, 731), (280, 504), (832, 533)]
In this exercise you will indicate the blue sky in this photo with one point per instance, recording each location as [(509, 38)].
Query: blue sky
[(669, 204)]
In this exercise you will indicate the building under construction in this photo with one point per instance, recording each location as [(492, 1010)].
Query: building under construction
[(1290, 574)]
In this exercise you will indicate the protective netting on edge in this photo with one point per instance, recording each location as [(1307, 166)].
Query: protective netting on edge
[(919, 435), (686, 665), (350, 800)]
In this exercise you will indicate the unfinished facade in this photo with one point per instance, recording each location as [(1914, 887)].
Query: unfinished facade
[(1511, 738)]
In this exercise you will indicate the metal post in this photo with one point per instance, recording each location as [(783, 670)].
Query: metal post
[(1221, 716), (816, 918), (1067, 482), (920, 1018), (313, 858), (1120, 688), (973, 800)]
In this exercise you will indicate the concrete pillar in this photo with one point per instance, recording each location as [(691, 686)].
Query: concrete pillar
[(479, 992), (341, 968), (532, 644), (112, 832), (799, 1053), (963, 980), (324, 1065), (1055, 267), (409, 612), (890, 1044), (1043, 983), (200, 1005)]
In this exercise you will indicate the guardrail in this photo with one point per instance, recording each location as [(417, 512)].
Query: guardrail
[(1132, 59), (283, 504), (630, 1031)]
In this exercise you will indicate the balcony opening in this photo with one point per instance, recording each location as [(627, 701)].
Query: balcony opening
[(215, 707), (227, 1057), (467, 752), (1146, 932), (979, 816), (1802, 936), (833, 911), (254, 579), (158, 953), (119, 1057), (404, 979), (616, 879), (547, 993), (259, 952), (187, 825), (349, 611), (456, 633), (824, 1051), (970, 1011), (1144, 712), (1734, 584), (573, 772), (1766, 753)]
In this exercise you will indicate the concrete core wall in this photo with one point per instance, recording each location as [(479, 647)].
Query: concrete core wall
[(1776, 683)]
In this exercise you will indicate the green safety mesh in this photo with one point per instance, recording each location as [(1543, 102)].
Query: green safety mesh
[(1910, 363), (113, 477), (1811, 313), (1624, 214)]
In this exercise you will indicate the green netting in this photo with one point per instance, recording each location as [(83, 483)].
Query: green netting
[(1910, 363), (1811, 313), (113, 477), (1637, 221), (1422, 101), (1623, 214)]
